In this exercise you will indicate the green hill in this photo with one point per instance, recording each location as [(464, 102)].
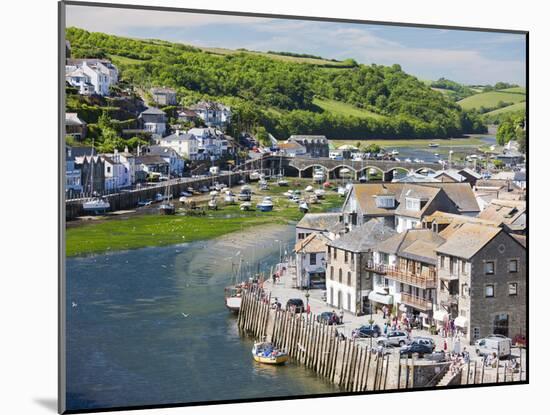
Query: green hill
[(286, 93), (492, 99), (496, 116)]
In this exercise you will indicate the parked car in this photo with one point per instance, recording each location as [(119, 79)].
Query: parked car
[(420, 348), (520, 340), (367, 331), (295, 304), (498, 344), (424, 340), (328, 317), (435, 356), (395, 338)]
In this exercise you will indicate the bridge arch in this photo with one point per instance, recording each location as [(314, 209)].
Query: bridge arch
[(336, 171), (307, 171)]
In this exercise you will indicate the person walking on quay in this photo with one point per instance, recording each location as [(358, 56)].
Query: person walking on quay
[(445, 345), (341, 316), (385, 328), (384, 312)]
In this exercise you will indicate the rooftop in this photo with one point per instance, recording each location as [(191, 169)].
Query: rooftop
[(153, 111), (364, 237), (319, 221), (506, 211), (315, 242), (415, 244), (467, 239)]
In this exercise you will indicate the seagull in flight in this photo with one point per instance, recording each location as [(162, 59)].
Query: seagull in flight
[(185, 315), (74, 304)]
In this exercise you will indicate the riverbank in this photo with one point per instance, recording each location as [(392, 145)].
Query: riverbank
[(122, 232)]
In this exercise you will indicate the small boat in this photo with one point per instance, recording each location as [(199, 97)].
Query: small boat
[(158, 197), (246, 206), (397, 159), (213, 204), (190, 189), (145, 202), (394, 153), (345, 171), (433, 145), (341, 191), (186, 194), (265, 205), (265, 352), (229, 198), (233, 298), (436, 154), (255, 176), (320, 193), (313, 199), (363, 179), (407, 160), (183, 199), (309, 189), (303, 206), (203, 189), (214, 193), (244, 196), (96, 205), (167, 209), (282, 182), (264, 186)]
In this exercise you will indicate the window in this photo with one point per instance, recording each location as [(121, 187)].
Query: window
[(489, 267), (331, 273), (489, 291), (463, 267), (476, 333), (349, 278), (108, 169), (442, 262), (345, 257), (513, 288), (465, 290), (328, 250), (335, 250), (301, 236), (312, 259), (513, 265), (441, 285), (340, 275)]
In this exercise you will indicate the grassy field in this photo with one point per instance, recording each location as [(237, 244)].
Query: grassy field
[(491, 99), (520, 106), (517, 90), (296, 59), (341, 108), (140, 231), (389, 144), (124, 60)]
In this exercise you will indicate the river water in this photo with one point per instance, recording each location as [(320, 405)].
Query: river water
[(128, 342)]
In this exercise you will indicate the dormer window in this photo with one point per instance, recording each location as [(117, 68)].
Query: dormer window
[(412, 204), (385, 201)]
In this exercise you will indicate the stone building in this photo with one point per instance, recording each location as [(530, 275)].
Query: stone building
[(315, 145), (348, 282), (164, 96), (482, 280)]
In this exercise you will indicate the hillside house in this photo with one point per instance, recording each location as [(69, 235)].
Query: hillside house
[(213, 114), (75, 127), (315, 145), (169, 155), (328, 223), (154, 121), (164, 96), (186, 145), (117, 175), (91, 76), (73, 185)]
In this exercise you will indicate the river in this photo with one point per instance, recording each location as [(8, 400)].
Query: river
[(130, 343)]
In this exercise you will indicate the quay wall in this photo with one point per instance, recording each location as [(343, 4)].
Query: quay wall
[(129, 199)]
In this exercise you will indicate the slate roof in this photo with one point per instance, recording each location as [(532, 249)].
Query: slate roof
[(150, 159), (178, 137), (153, 111), (365, 195), (447, 218), (466, 239), (461, 194), (425, 194), (506, 211), (319, 221), (453, 174), (316, 242), (415, 244), (364, 237)]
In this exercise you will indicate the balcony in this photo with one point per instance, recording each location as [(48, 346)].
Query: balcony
[(425, 280), (378, 268), (416, 302), (447, 300)]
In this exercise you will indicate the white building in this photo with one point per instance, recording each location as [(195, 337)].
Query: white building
[(154, 121), (310, 261), (171, 156), (91, 75), (214, 114), (73, 178), (117, 175), (186, 145), (211, 142)]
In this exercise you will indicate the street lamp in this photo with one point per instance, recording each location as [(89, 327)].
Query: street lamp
[(307, 300)]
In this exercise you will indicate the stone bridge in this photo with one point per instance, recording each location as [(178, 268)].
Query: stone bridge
[(304, 166)]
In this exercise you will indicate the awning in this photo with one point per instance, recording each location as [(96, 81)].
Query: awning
[(461, 321), (403, 307), (381, 298), (441, 315), (423, 315)]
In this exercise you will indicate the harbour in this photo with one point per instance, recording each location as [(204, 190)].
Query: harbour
[(150, 325)]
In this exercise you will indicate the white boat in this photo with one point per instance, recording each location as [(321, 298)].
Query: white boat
[(183, 199), (214, 193), (407, 160), (436, 154), (309, 189), (313, 199), (213, 204), (344, 172), (417, 160), (363, 179), (265, 205), (229, 198), (303, 206), (264, 186), (320, 193), (282, 182), (341, 191), (246, 206), (167, 209), (433, 145), (395, 153), (96, 205), (254, 176)]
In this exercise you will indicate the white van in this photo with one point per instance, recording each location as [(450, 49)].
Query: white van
[(500, 345)]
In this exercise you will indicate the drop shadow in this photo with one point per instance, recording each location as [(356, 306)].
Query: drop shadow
[(48, 403)]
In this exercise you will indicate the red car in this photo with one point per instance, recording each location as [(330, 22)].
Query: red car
[(520, 340)]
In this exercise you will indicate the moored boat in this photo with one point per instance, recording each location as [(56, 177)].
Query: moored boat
[(303, 206), (96, 205), (266, 205), (320, 193), (213, 204), (266, 352), (167, 209), (433, 145), (246, 206)]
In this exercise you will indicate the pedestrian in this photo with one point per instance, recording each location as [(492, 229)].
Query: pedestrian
[(466, 355), (445, 345), (341, 316), (385, 328), (308, 308)]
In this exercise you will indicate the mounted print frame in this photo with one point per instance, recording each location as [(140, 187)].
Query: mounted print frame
[(261, 207)]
